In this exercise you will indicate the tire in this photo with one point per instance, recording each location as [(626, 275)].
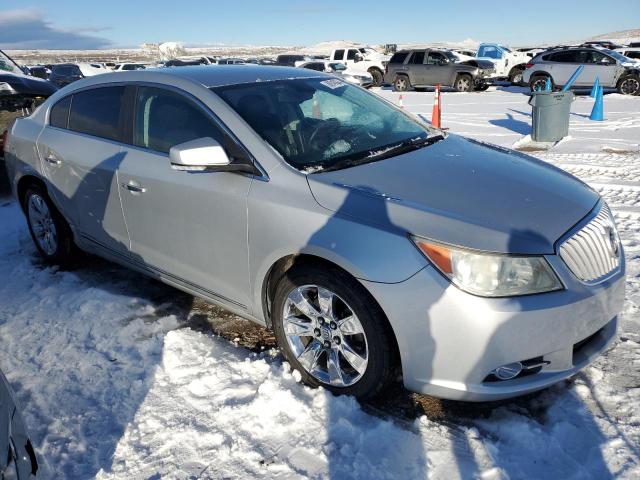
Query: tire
[(401, 83), (515, 76), (463, 83), (629, 85), (310, 352), (49, 230), (538, 82), (377, 75)]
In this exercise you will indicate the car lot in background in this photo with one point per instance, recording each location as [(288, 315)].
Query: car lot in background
[(362, 79), (630, 52), (363, 59), (421, 68), (612, 69)]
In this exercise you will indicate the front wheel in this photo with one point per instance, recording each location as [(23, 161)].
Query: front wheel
[(463, 83), (49, 230), (629, 85), (332, 331), (515, 76)]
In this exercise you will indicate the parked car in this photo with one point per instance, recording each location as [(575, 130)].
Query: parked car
[(291, 60), (39, 71), (121, 67), (423, 68), (18, 460), (632, 53), (363, 59), (365, 238), (509, 64), (19, 91), (179, 62), (65, 73), (611, 68), (362, 79)]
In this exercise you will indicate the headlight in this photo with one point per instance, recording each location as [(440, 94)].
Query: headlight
[(6, 88), (490, 274)]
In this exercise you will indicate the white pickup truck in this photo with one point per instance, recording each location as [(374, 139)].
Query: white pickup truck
[(363, 59), (509, 64)]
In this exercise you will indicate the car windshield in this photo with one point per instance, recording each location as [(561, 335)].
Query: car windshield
[(618, 56), (324, 123), (337, 67), (7, 64)]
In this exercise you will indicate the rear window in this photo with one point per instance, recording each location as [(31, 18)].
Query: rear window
[(66, 69), (97, 112), (59, 115), (399, 57)]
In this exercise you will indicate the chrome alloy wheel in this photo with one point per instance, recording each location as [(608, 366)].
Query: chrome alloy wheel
[(325, 335), (630, 86), (42, 224)]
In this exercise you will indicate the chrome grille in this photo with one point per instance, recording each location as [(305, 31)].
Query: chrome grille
[(594, 251)]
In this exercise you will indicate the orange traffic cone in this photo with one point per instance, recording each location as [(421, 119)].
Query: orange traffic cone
[(435, 114), (400, 104)]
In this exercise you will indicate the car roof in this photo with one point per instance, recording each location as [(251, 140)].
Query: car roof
[(207, 75)]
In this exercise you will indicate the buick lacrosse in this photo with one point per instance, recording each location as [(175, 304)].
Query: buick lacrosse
[(371, 243)]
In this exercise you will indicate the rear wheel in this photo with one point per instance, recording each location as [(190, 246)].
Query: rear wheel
[(50, 232), (629, 85), (463, 83), (331, 330), (538, 83), (401, 83), (377, 75)]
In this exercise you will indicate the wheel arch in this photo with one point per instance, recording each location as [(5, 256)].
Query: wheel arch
[(25, 182), (284, 264)]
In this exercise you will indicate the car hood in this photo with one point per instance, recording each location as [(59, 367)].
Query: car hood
[(31, 86), (462, 192)]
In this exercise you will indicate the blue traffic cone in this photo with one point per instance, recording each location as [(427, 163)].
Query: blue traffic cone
[(547, 85), (594, 90), (597, 113)]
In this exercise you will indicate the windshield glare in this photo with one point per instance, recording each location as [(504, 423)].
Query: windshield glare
[(322, 123), (8, 65)]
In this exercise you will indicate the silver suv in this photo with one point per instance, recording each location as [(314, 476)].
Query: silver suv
[(611, 68), (371, 243)]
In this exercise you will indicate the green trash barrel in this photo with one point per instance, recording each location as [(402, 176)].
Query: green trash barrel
[(550, 119)]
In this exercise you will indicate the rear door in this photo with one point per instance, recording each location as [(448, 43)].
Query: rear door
[(561, 65), (189, 226), (417, 70), (80, 148)]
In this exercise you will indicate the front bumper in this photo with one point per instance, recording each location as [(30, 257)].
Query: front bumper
[(450, 341)]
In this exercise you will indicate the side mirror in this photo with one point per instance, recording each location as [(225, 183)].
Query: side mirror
[(198, 155), (203, 154)]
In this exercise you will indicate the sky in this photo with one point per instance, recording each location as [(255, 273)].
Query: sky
[(87, 24)]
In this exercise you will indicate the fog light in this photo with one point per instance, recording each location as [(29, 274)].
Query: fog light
[(508, 371)]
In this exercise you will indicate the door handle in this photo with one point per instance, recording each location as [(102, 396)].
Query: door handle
[(134, 187), (52, 159)]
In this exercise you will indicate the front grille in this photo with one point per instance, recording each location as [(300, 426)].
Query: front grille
[(594, 251)]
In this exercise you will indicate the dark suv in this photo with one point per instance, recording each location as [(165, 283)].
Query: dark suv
[(428, 67), (65, 73)]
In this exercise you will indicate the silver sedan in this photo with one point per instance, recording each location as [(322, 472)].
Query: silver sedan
[(370, 242)]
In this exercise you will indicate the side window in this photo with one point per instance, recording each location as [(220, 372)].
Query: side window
[(351, 54), (98, 112), (632, 55), (417, 58), (59, 115), (599, 58), (339, 55), (164, 119), (572, 56), (398, 57)]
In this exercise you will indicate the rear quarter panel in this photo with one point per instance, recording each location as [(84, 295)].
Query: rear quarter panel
[(21, 154)]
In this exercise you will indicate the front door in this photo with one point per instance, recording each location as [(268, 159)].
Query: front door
[(597, 65), (190, 226), (438, 70), (81, 153)]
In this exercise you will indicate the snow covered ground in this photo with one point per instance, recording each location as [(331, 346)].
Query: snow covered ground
[(120, 377)]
